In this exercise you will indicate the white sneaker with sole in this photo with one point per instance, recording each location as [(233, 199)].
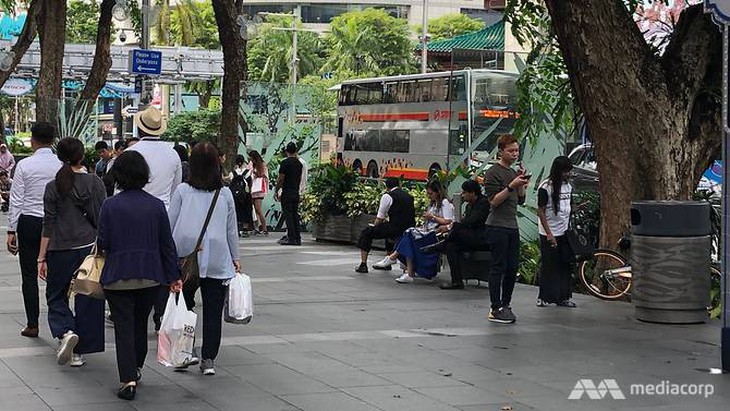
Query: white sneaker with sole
[(385, 263), (77, 360), (68, 343), (404, 279)]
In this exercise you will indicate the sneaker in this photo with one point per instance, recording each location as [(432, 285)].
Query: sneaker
[(567, 303), (509, 313), (540, 303), (404, 279), (68, 343), (206, 367), (77, 360), (362, 268), (384, 264), (501, 316)]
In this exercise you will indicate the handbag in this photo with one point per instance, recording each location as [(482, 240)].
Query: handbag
[(260, 185), (87, 276), (580, 243), (190, 268)]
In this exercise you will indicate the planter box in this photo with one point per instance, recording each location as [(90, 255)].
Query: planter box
[(333, 228), (358, 224)]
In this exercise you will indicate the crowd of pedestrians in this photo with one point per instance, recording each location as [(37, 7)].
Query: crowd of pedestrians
[(142, 207)]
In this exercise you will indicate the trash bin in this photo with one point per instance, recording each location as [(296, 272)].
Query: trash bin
[(670, 261)]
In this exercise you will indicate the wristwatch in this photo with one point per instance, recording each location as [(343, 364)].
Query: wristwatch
[(510, 189)]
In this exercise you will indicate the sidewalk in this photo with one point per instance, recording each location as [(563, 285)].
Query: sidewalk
[(325, 338)]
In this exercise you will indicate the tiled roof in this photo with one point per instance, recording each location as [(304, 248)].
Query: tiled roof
[(488, 38)]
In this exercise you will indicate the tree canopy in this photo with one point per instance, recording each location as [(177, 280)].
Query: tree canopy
[(82, 20), (451, 25)]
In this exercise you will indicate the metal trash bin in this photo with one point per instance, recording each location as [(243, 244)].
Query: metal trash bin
[(670, 261)]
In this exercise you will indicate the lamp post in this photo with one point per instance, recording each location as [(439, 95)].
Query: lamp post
[(424, 38)]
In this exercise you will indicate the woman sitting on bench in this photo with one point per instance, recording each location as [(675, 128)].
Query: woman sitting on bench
[(440, 212)]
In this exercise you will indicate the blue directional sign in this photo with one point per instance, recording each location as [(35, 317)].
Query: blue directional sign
[(145, 62)]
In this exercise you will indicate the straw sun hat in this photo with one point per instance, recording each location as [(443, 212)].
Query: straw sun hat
[(150, 121)]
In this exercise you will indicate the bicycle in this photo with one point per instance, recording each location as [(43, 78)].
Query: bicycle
[(607, 275)]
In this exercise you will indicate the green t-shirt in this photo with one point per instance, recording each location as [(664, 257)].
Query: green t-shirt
[(497, 179)]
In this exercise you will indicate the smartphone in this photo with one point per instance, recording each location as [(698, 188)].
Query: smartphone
[(527, 175)]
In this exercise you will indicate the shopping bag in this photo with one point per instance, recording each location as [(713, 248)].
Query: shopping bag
[(177, 332), (238, 308)]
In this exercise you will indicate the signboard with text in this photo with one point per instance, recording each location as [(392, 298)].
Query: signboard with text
[(145, 62)]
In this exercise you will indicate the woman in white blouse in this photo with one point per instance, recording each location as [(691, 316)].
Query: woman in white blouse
[(440, 212)]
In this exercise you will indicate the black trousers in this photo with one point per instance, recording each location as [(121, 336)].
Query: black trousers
[(505, 244), (131, 310), (290, 210), (29, 243), (213, 292), (463, 239), (555, 270), (385, 229), (244, 212)]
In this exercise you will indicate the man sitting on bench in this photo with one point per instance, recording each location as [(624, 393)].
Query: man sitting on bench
[(467, 235)]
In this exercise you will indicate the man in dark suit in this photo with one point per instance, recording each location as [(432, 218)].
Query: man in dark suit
[(467, 235)]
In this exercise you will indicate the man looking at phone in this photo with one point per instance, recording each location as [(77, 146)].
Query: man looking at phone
[(505, 189), (26, 216)]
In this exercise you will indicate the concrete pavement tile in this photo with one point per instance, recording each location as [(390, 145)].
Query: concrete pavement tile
[(309, 362), (386, 367), (187, 405), (350, 378), (278, 380), (265, 402), (328, 401), (237, 355), (515, 406), (423, 379), (463, 395), (29, 402), (77, 395), (116, 405), (397, 398)]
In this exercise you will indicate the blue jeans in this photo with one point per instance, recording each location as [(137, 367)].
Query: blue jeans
[(505, 246)]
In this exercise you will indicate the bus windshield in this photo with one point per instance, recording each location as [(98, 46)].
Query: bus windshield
[(494, 97)]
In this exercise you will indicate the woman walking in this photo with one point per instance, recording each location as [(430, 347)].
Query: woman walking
[(218, 255), (259, 188), (440, 213), (241, 188), (71, 206), (553, 201), (134, 232)]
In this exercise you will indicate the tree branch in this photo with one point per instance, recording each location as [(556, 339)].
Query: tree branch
[(25, 39), (102, 55)]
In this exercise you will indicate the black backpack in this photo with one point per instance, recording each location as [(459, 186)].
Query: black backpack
[(240, 185)]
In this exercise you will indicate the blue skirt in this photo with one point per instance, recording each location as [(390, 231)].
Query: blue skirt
[(426, 265)]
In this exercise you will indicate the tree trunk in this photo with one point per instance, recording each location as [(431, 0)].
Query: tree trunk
[(234, 62), (52, 31), (25, 39), (654, 121), (102, 55)]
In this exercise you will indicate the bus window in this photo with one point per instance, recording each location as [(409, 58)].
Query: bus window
[(440, 89), (391, 93), (340, 126), (387, 140), (372, 140), (347, 94), (401, 143), (407, 91), (457, 91), (369, 93), (424, 90)]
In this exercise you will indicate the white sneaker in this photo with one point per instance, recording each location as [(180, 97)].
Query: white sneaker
[(385, 263), (404, 279), (68, 343), (77, 360)]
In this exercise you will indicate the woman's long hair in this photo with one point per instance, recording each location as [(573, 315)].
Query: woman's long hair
[(205, 168), (71, 152), (438, 188), (560, 165), (258, 162)]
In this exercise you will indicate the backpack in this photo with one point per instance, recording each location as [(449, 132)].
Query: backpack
[(239, 184)]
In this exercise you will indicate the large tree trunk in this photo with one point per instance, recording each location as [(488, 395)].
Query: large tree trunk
[(52, 31), (655, 121), (25, 39), (234, 62), (102, 55)]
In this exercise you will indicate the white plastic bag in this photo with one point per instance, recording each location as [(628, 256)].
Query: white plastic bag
[(238, 308), (177, 333)]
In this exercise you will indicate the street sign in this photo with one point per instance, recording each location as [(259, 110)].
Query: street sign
[(138, 82), (130, 110), (145, 62), (148, 89)]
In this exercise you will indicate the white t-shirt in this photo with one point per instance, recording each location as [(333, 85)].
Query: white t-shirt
[(165, 167), (559, 222), (446, 211)]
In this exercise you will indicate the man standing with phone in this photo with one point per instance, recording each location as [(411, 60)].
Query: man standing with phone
[(25, 221), (505, 189)]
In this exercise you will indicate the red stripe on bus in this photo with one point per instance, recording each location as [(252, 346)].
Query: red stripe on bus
[(394, 117), (408, 173)]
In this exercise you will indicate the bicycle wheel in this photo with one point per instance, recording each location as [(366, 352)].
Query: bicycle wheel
[(606, 275), (715, 308)]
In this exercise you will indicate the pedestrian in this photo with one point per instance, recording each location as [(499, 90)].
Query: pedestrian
[(218, 256), (6, 184), (259, 188), (134, 233), (25, 219), (440, 213), (290, 176), (241, 188), (505, 189), (556, 259), (182, 152), (105, 157), (165, 171), (71, 206), (7, 161), (397, 206)]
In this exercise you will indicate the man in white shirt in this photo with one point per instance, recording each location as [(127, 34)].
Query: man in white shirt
[(164, 163), (25, 221)]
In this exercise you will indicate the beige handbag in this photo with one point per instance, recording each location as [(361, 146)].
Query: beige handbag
[(87, 276)]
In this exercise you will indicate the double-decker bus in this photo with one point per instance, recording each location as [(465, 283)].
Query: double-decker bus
[(414, 125)]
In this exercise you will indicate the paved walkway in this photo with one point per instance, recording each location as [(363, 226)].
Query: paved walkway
[(325, 338)]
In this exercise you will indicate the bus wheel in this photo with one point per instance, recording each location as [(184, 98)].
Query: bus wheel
[(435, 168), (357, 166), (372, 171)]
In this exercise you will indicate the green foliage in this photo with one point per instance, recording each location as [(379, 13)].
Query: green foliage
[(90, 157), (369, 41), (451, 25), (329, 184), (529, 262), (193, 24), (364, 198), (194, 126), (82, 20), (322, 103), (16, 146), (587, 214)]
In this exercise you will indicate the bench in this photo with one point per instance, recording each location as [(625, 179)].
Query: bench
[(475, 265)]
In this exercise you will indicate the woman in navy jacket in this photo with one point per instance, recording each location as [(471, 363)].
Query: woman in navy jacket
[(134, 232)]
